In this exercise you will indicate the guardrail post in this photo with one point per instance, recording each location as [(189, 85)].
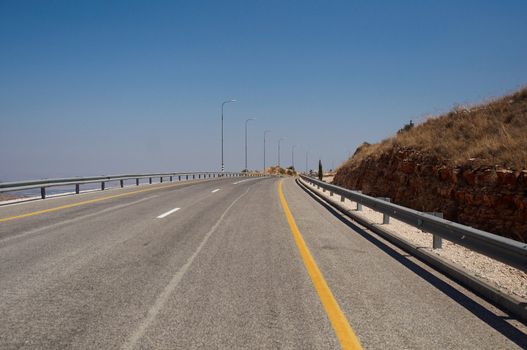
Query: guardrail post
[(437, 242), (122, 183), (385, 217), (342, 199), (150, 180), (187, 176), (179, 176), (137, 182), (359, 205), (170, 178), (193, 176), (103, 185), (161, 179), (43, 192), (77, 188)]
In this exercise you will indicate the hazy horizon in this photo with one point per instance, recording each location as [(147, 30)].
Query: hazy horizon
[(92, 88)]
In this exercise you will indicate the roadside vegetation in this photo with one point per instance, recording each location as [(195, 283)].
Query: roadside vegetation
[(493, 133), (276, 170)]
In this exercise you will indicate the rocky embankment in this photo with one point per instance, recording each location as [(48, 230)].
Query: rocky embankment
[(470, 164), (489, 198)]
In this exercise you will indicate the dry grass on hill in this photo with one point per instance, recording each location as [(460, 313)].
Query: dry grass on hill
[(494, 133)]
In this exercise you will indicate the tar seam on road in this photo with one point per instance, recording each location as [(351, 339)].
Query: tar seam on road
[(168, 213), (69, 221), (169, 288), (84, 202), (347, 338)]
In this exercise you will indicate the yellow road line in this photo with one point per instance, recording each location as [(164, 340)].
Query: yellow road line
[(83, 203), (347, 338)]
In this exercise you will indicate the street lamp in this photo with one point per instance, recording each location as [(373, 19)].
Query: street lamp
[(293, 156), (306, 160), (246, 121), (279, 150), (265, 133), (223, 104)]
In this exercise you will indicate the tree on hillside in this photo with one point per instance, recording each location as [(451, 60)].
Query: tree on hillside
[(320, 173), (406, 127)]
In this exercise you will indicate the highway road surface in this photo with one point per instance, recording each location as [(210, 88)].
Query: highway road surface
[(222, 264)]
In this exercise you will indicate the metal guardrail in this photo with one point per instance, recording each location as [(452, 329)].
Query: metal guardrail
[(503, 249), (77, 181)]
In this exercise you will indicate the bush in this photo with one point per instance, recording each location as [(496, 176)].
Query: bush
[(406, 127)]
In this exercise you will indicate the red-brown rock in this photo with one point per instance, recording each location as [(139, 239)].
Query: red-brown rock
[(491, 199), (408, 167), (470, 177), (506, 177), (486, 177)]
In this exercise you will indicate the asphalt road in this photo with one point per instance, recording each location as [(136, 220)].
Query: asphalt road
[(214, 264)]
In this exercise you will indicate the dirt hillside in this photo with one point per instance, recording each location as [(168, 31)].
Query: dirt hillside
[(469, 164)]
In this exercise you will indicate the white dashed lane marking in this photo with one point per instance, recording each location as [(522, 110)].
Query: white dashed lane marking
[(168, 213)]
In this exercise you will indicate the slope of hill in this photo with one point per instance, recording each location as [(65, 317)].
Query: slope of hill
[(469, 164)]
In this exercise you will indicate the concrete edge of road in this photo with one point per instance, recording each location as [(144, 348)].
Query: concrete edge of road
[(506, 302)]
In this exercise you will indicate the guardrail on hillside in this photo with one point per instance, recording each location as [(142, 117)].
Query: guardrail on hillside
[(77, 181), (503, 249)]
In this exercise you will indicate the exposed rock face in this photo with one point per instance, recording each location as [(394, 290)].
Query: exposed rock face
[(489, 198)]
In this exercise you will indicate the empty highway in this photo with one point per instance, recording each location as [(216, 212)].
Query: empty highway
[(222, 264)]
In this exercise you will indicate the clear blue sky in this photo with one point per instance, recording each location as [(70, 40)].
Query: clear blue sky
[(100, 87)]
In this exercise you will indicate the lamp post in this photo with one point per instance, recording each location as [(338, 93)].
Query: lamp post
[(306, 160), (279, 151), (293, 156), (223, 104), (246, 121), (265, 133)]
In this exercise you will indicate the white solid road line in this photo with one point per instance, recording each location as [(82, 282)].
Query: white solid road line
[(216, 190), (168, 213)]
